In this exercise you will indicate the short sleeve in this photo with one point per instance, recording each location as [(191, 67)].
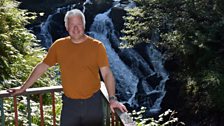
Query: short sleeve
[(102, 56), (51, 57)]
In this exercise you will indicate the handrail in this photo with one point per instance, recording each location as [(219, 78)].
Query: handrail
[(29, 91), (123, 117)]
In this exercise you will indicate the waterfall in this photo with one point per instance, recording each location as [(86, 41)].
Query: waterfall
[(140, 80), (127, 79), (101, 28), (157, 60), (45, 34)]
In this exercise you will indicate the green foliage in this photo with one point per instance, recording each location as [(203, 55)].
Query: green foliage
[(165, 119), (136, 27), (205, 91), (19, 49)]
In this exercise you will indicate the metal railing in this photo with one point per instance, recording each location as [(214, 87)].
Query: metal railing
[(117, 119)]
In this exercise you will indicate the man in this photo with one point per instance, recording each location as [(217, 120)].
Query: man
[(80, 58)]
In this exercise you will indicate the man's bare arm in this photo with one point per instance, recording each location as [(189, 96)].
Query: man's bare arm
[(110, 85), (35, 74), (109, 80)]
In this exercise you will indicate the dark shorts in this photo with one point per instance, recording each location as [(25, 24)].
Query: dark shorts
[(82, 112)]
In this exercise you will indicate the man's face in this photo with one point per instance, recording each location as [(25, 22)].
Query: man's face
[(75, 27)]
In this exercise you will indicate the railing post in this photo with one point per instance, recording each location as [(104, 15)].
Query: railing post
[(2, 112), (117, 121), (15, 110), (29, 109), (53, 108), (41, 110), (112, 118), (106, 111)]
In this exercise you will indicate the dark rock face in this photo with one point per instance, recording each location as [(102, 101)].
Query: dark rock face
[(117, 17), (45, 6), (48, 7), (153, 80), (92, 9), (124, 1), (141, 49), (173, 98)]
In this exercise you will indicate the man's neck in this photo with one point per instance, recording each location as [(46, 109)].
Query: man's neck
[(79, 40)]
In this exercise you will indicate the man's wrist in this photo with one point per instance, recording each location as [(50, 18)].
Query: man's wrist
[(112, 98), (23, 88)]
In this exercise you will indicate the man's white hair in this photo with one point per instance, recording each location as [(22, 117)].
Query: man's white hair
[(74, 12)]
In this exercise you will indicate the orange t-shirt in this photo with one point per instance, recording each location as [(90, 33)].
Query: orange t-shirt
[(79, 65)]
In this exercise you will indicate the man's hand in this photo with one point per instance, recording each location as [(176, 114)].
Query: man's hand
[(15, 91), (116, 104)]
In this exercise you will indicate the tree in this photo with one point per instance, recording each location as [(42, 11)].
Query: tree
[(19, 49)]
